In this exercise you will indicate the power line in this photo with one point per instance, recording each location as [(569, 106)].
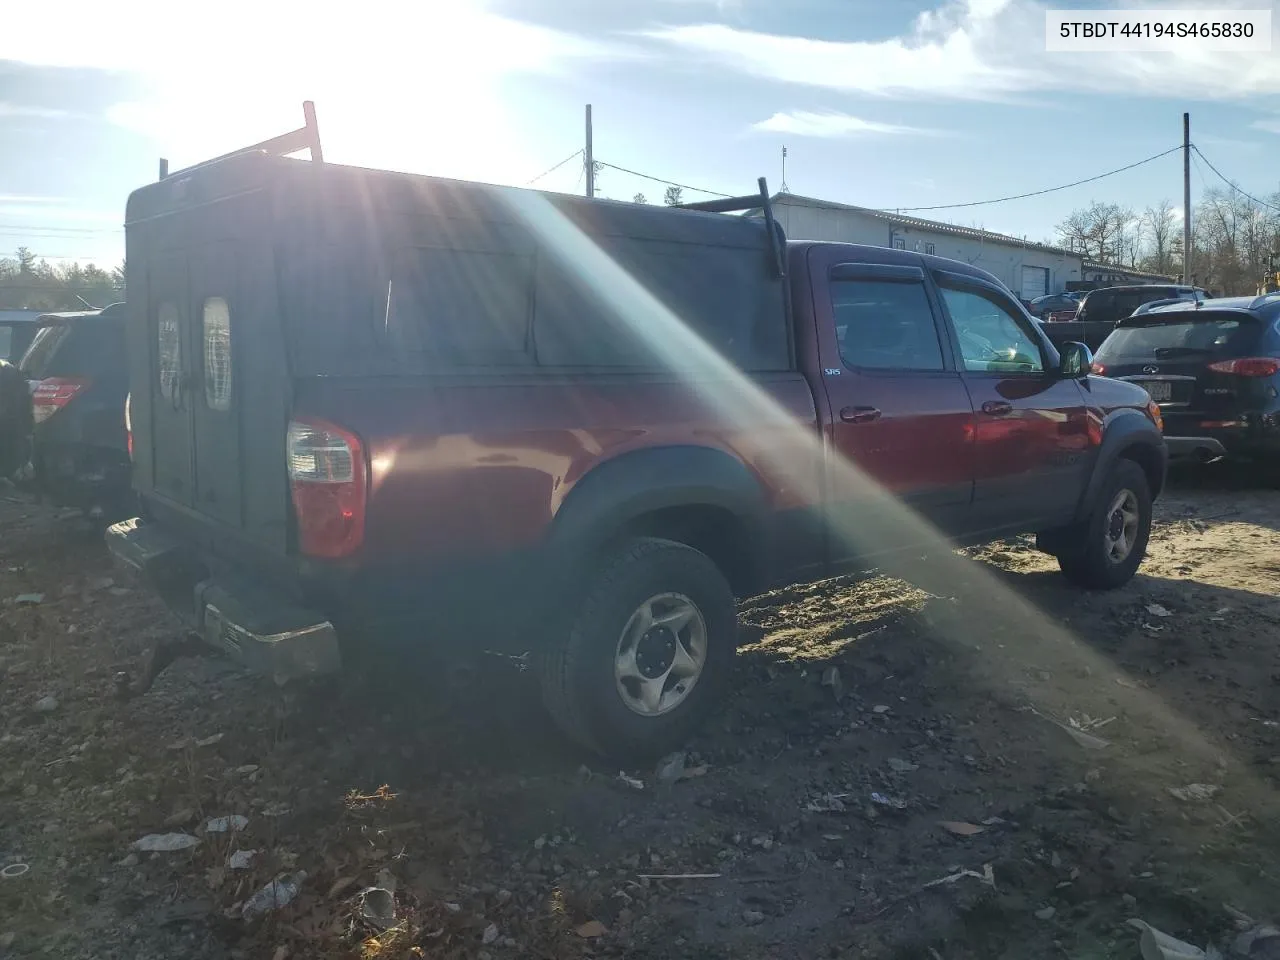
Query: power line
[(1261, 203), (576, 153), (46, 228), (1037, 193), (669, 183)]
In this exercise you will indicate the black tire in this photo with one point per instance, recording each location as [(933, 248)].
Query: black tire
[(1082, 550), (577, 666)]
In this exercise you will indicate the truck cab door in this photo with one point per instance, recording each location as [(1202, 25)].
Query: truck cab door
[(900, 422), (1031, 425)]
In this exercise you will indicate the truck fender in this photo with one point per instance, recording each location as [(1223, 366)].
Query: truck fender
[(623, 489), (1126, 432)]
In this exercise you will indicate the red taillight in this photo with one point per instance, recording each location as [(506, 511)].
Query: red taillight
[(327, 475), (53, 393), (1248, 367), (1099, 368)]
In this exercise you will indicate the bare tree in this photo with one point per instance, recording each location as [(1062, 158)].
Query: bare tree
[(639, 198), (673, 196), (1234, 238), (1158, 224), (1098, 231)]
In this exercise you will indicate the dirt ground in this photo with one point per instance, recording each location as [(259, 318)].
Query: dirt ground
[(986, 773)]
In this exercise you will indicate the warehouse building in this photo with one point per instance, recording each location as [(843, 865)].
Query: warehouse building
[(1109, 275), (1029, 269)]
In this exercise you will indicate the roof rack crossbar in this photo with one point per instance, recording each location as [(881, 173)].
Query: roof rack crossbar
[(306, 137), (756, 201)]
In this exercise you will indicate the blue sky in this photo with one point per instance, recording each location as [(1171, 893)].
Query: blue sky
[(885, 103)]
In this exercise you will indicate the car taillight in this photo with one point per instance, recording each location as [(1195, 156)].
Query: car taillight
[(53, 393), (1248, 366), (1153, 411), (327, 476), (1099, 368), (128, 423)]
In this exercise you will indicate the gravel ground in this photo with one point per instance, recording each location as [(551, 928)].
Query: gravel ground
[(996, 768)]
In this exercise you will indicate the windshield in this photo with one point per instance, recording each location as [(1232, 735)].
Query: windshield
[(1199, 334)]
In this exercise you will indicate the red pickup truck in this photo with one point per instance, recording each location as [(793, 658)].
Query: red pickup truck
[(369, 406)]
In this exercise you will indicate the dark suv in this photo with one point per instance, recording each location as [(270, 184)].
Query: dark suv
[(367, 405), (1112, 304), (79, 373), (17, 329), (1214, 369)]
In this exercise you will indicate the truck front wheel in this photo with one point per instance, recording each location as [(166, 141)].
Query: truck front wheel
[(648, 655)]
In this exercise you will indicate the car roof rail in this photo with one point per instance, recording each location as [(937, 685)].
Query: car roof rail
[(306, 137), (755, 201)]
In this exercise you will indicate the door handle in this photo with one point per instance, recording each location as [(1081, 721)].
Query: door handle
[(859, 414), (997, 408)]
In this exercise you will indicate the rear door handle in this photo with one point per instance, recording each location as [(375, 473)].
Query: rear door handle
[(859, 414), (997, 408)]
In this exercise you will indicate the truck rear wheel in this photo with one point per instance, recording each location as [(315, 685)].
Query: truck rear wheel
[(648, 655), (1104, 550)]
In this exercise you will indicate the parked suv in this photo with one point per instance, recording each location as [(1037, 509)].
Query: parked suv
[(1214, 369), (371, 403), (78, 370), (1101, 309), (1112, 304), (17, 329)]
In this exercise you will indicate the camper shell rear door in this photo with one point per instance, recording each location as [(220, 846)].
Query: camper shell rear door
[(209, 379)]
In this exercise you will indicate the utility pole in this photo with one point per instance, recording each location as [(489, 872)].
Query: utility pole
[(589, 159), (782, 187), (1186, 198)]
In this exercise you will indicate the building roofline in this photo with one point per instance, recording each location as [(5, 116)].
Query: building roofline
[(1132, 271), (973, 233), (796, 200)]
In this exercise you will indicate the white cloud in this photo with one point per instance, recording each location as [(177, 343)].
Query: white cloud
[(24, 110), (722, 6), (977, 50), (803, 123), (1270, 125)]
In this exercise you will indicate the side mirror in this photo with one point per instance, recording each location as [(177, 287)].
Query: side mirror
[(1076, 360)]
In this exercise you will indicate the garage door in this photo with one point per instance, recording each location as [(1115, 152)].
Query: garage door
[(1035, 282)]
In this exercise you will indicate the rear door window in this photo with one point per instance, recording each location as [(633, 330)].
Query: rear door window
[(216, 326), (885, 324), (1202, 334), (168, 349)]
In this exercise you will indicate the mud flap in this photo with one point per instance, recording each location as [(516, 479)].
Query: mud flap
[(160, 656)]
